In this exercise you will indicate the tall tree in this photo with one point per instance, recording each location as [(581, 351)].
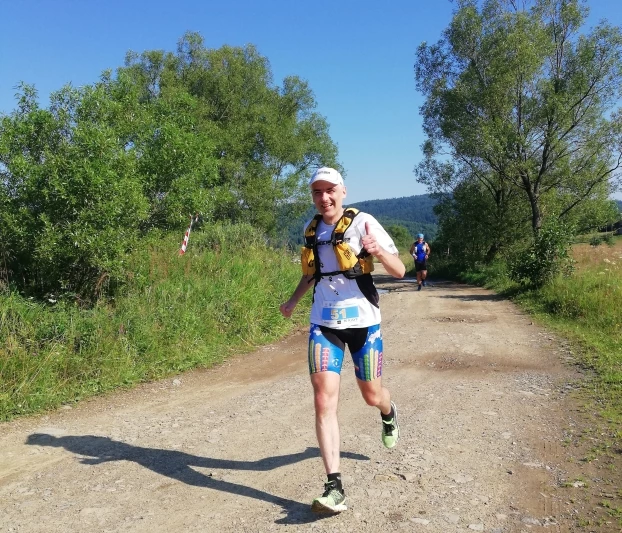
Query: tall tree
[(168, 135), (517, 99), (265, 140)]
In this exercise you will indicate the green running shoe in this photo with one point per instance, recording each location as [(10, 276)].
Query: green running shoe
[(332, 501), (391, 429)]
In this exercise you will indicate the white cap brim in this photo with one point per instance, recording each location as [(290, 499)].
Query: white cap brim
[(326, 174)]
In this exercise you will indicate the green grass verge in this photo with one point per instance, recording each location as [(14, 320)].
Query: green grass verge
[(585, 308), (176, 313)]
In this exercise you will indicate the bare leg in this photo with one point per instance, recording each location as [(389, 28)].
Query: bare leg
[(378, 396), (375, 394), (326, 397)]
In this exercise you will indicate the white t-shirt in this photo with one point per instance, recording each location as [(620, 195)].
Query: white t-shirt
[(338, 302)]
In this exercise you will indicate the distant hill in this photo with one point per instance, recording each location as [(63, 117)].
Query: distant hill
[(619, 202), (415, 213)]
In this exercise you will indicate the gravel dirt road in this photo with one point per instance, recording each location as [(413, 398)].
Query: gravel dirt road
[(484, 404)]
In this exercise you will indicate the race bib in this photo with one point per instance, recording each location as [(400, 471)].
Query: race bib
[(337, 315)]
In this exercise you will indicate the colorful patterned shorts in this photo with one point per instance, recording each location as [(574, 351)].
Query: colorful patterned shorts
[(327, 347)]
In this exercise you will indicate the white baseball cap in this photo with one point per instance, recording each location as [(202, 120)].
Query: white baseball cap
[(326, 174)]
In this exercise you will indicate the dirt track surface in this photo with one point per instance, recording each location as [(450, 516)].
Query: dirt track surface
[(481, 394)]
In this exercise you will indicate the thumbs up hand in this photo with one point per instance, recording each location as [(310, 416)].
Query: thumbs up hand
[(369, 242)]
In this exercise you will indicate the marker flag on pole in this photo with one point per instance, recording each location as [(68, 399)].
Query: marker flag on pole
[(184, 244)]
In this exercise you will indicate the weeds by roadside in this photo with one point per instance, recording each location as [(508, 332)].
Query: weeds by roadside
[(176, 313), (583, 307)]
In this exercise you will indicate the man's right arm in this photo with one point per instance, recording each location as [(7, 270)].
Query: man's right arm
[(287, 308)]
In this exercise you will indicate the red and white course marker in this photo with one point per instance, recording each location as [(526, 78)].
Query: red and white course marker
[(184, 244)]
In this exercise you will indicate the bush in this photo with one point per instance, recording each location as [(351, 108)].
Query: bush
[(219, 236), (596, 241), (70, 191), (544, 257), (400, 235)]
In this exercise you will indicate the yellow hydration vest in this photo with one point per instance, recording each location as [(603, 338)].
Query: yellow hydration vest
[(350, 265)]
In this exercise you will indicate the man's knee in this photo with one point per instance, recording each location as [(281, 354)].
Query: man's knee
[(372, 397), (324, 403)]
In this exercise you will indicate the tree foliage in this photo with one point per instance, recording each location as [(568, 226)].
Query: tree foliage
[(72, 200), (264, 140), (418, 208), (520, 108), (168, 135), (400, 235), (414, 213)]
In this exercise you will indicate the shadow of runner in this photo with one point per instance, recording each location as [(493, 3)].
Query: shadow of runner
[(385, 282), (177, 465)]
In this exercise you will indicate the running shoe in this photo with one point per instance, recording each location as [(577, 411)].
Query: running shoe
[(423, 283), (332, 501), (391, 429), (419, 287)]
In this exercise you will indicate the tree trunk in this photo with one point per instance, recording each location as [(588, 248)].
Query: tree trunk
[(536, 215), (492, 252)]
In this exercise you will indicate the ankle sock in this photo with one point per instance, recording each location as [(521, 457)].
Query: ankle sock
[(335, 477), (389, 417)]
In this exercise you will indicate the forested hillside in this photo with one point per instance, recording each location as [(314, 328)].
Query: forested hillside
[(415, 213)]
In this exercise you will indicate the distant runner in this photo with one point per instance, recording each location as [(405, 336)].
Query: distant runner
[(420, 250), (337, 261)]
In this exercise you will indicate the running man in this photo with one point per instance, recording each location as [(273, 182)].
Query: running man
[(340, 245), (420, 250)]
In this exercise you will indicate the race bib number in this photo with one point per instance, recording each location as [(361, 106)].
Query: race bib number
[(337, 315)]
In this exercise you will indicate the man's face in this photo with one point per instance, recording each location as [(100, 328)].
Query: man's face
[(328, 200), (419, 239)]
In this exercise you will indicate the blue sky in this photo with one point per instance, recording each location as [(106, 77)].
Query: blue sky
[(357, 56)]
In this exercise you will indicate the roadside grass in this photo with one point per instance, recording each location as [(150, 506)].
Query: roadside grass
[(407, 259), (176, 313), (586, 308)]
